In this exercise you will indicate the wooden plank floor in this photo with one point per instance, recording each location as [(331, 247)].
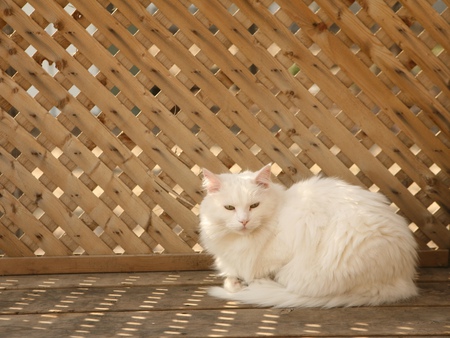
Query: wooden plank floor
[(162, 304)]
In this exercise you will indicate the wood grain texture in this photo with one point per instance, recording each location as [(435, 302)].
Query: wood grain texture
[(110, 109), (164, 304)]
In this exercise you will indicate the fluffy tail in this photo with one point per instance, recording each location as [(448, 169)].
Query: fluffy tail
[(271, 294)]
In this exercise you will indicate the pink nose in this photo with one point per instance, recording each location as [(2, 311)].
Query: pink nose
[(244, 222)]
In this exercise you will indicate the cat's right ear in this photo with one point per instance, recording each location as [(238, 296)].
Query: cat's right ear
[(211, 182)]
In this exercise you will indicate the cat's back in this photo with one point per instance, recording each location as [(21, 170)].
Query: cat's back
[(329, 201)]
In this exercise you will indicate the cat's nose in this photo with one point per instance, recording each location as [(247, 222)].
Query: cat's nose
[(244, 222)]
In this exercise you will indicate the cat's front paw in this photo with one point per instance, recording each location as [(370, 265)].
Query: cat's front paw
[(233, 284)]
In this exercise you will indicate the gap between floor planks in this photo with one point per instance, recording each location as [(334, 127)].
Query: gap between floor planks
[(170, 304)]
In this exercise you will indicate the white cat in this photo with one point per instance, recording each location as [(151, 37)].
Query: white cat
[(320, 243)]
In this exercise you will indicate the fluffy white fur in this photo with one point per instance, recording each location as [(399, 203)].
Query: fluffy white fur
[(320, 243)]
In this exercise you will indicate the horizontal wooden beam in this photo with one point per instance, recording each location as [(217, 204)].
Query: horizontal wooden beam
[(104, 263), (145, 263)]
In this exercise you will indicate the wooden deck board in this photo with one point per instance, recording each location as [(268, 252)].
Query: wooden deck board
[(170, 304)]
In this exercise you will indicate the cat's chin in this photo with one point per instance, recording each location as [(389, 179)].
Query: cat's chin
[(244, 231)]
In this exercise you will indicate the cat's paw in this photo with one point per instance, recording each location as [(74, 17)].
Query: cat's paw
[(233, 284)]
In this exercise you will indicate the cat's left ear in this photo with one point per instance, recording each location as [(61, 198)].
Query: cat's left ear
[(263, 176), (210, 181)]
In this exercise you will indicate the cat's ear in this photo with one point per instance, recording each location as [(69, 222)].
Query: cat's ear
[(263, 176), (210, 181)]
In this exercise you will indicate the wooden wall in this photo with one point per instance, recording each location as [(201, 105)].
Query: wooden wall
[(109, 110)]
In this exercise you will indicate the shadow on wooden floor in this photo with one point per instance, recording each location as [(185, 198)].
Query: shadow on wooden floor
[(162, 304)]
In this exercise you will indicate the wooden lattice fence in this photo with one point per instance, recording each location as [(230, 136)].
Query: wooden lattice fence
[(109, 109)]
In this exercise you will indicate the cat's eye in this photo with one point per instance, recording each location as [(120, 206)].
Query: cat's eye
[(229, 207), (254, 205)]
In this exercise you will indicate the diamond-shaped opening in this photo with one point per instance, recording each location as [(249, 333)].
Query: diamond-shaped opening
[(115, 91), (253, 69), (175, 110), (93, 70), (214, 69), (76, 131), (354, 169), (19, 233), (91, 29), (274, 7), (117, 171), (58, 192), (37, 173), (39, 252), (334, 28), (13, 112), (195, 129), (233, 49), (394, 169), (177, 230), (158, 249), (59, 232), (79, 251), (273, 49), (98, 231), (113, 49), (28, 9), (98, 191), (15, 153), (116, 131), (74, 91), (71, 49), (78, 211), (38, 213), (195, 89), (54, 111), (155, 90), (137, 190), (132, 29), (375, 28), (435, 169), (49, 68), (313, 6), (315, 169), (138, 230), (213, 29), (56, 152), (173, 29), (77, 172), (294, 28), (134, 70), (215, 109), (135, 110), (233, 9), (192, 9), (30, 50), (295, 149), (118, 210), (119, 250), (8, 30), (194, 49), (95, 111), (294, 69), (433, 208), (35, 132), (197, 248), (252, 29), (255, 149), (136, 150), (69, 8), (154, 50), (414, 188), (17, 193), (174, 70)]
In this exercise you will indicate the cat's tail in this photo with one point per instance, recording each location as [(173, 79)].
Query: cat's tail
[(268, 293)]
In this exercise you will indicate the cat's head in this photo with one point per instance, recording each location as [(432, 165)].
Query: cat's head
[(238, 203)]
